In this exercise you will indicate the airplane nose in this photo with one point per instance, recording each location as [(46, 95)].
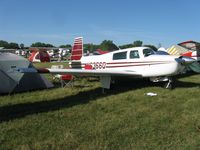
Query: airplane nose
[(185, 60)]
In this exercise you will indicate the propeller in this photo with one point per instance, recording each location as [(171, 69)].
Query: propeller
[(185, 60)]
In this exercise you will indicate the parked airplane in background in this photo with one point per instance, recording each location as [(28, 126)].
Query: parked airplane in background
[(137, 62), (187, 48), (193, 49)]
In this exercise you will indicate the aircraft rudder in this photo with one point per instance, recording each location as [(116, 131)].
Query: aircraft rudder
[(77, 49)]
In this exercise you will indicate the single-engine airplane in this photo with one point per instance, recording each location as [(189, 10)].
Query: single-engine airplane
[(137, 62)]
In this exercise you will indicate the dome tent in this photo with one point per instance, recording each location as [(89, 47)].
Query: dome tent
[(39, 55), (13, 81)]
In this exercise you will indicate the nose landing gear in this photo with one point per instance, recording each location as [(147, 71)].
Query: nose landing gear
[(168, 81), (169, 84)]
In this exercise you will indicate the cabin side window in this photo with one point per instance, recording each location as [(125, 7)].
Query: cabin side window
[(134, 54), (120, 55), (148, 52)]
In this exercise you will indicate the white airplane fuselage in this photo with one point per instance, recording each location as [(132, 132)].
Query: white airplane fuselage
[(134, 60)]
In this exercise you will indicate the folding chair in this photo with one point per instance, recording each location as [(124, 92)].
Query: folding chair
[(67, 80)]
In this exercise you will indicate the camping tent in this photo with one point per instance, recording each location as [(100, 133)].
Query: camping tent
[(13, 81), (39, 55)]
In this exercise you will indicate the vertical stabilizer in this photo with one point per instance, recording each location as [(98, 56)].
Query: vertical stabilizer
[(77, 49)]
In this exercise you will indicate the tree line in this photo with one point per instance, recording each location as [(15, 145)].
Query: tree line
[(105, 45), (7, 45)]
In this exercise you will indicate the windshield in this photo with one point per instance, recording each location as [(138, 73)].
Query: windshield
[(148, 52)]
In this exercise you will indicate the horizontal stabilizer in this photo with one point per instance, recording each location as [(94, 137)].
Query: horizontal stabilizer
[(27, 70)]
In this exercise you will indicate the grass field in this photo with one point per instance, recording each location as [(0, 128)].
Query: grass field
[(83, 118)]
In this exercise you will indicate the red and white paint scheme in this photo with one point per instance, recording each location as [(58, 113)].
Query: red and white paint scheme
[(77, 49), (39, 55), (137, 62), (192, 54), (193, 49)]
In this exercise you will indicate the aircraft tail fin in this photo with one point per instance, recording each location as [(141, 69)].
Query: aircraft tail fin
[(77, 49)]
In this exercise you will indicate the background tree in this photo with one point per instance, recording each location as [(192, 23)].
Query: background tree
[(126, 46), (67, 46), (137, 43), (90, 47), (39, 44), (21, 46), (7, 45), (108, 45), (152, 47), (13, 45), (4, 44)]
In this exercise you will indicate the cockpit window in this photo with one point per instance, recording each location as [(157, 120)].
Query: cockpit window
[(120, 55), (134, 54), (148, 52)]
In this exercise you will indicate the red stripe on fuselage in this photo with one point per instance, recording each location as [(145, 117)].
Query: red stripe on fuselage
[(134, 65), (136, 62), (126, 64)]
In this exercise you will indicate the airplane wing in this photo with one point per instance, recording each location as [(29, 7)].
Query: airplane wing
[(90, 72), (105, 75), (95, 72)]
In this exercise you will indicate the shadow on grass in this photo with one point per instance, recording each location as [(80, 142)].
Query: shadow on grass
[(184, 84), (11, 112)]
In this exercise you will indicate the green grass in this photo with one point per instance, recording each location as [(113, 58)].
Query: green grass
[(83, 118)]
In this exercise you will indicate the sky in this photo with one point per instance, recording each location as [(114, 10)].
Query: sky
[(58, 22)]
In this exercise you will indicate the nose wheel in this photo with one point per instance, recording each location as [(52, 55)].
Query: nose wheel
[(169, 84)]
